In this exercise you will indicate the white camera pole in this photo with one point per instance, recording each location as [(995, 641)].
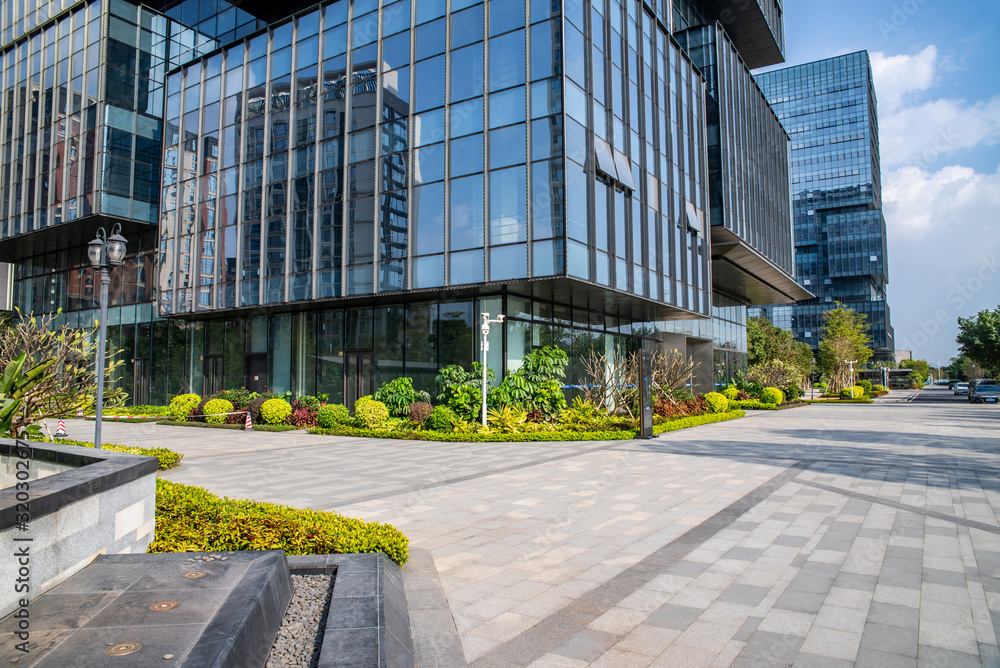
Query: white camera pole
[(484, 345)]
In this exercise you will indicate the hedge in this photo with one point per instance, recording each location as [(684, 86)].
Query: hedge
[(753, 405), (620, 435), (168, 458), (835, 401), (192, 519), (134, 420), (203, 425), (695, 420), (273, 427)]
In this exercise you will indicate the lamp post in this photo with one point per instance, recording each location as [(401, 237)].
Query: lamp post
[(851, 363), (812, 378), (105, 253), (484, 345)]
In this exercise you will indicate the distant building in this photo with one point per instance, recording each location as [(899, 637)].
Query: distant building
[(829, 110), (903, 355)]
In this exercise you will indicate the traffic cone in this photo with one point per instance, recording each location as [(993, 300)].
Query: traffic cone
[(79, 412), (61, 429), (249, 424)]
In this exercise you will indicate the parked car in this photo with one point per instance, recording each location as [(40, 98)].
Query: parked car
[(962, 388), (975, 383), (953, 383), (987, 394)]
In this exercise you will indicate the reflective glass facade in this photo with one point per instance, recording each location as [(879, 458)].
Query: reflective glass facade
[(349, 152), (347, 186), (829, 110)]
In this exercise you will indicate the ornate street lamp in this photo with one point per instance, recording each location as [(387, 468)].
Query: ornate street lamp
[(105, 253)]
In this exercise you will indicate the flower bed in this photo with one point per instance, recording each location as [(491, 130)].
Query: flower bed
[(192, 519), (470, 437)]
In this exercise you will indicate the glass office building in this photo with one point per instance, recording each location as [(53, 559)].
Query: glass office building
[(829, 110), (322, 198)]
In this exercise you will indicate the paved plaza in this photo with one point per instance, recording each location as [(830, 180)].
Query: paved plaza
[(818, 536)]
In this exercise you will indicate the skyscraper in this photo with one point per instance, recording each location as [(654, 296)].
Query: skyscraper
[(320, 198), (829, 110)]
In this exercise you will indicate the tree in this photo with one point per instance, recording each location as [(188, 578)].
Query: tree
[(921, 369), (844, 340), (71, 380), (979, 340), (767, 343)]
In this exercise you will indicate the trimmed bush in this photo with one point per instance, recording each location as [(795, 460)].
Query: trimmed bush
[(274, 411), (215, 406), (865, 385), (255, 406), (182, 405), (370, 413), (331, 415), (772, 395), (731, 393), (441, 418), (420, 411), (717, 403), (168, 458), (192, 519), (879, 388), (752, 405)]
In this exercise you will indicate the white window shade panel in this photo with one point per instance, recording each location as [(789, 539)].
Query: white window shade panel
[(605, 162), (695, 220), (624, 170)]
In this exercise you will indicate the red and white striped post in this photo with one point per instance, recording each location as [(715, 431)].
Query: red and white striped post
[(249, 423), (61, 429)]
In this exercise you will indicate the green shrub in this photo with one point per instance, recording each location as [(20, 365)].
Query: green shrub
[(441, 418), (865, 385), (239, 398), (370, 413), (168, 458), (506, 419), (731, 393), (461, 390), (420, 411), (772, 395), (215, 406), (534, 436), (182, 405), (752, 406), (879, 388), (398, 395), (857, 392), (274, 411), (192, 519), (717, 403), (332, 414)]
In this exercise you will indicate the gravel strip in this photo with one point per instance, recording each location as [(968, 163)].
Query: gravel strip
[(301, 634)]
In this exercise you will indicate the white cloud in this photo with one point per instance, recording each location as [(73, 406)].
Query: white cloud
[(944, 253), (955, 198), (916, 131), (899, 77)]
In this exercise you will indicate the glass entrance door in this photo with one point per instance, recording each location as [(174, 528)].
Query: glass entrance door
[(357, 376), (140, 392), (212, 379)]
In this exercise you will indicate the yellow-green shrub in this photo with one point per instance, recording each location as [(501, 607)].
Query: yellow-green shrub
[(370, 413), (192, 519), (215, 406), (168, 458), (717, 403), (731, 393), (274, 411), (772, 395), (182, 405)]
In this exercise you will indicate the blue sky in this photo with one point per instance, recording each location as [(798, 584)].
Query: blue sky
[(937, 77)]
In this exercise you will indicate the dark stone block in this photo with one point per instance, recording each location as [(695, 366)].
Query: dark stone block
[(228, 618), (355, 612), (350, 648)]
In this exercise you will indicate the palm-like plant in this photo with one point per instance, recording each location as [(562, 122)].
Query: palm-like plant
[(15, 421)]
